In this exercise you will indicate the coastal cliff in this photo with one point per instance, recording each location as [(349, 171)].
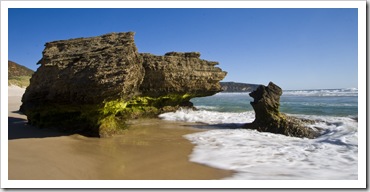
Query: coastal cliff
[(18, 75), (93, 85)]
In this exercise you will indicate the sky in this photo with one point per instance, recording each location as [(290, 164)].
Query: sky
[(294, 48)]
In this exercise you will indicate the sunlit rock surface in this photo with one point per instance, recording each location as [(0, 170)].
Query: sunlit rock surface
[(93, 85)]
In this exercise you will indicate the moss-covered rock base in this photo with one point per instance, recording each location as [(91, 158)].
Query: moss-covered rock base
[(106, 119), (93, 85)]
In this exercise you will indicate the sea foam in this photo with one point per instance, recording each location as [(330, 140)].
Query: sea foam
[(208, 117), (323, 92), (256, 155)]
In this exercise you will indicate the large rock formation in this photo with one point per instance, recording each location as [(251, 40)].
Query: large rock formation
[(92, 85), (183, 73), (268, 117)]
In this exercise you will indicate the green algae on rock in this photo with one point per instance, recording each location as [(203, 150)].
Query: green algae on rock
[(146, 106), (93, 85)]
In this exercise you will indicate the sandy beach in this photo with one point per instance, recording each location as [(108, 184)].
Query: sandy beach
[(152, 149)]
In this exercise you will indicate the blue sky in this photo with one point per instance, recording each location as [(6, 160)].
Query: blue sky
[(295, 48)]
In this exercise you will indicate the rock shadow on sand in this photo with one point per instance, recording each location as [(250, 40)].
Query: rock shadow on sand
[(19, 129)]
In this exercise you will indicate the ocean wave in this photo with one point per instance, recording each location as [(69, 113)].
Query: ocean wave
[(310, 92), (322, 92), (206, 107), (320, 104), (257, 155), (208, 117)]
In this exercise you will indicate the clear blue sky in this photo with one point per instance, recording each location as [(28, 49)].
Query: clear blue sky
[(295, 48)]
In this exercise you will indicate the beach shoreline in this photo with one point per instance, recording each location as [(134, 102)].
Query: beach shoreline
[(151, 149)]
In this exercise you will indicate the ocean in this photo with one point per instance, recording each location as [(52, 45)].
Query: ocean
[(267, 156)]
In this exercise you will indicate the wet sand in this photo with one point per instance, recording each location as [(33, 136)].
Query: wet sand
[(151, 149)]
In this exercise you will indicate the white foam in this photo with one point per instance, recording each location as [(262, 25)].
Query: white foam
[(322, 92), (257, 155), (208, 117), (313, 92), (206, 107), (322, 104)]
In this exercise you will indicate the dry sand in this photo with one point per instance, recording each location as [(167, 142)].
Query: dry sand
[(151, 149)]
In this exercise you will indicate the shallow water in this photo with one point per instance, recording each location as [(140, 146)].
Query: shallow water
[(256, 155), (150, 150)]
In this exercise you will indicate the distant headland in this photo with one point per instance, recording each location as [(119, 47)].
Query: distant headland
[(238, 87), (18, 75)]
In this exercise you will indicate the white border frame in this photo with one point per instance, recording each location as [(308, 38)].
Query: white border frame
[(360, 183)]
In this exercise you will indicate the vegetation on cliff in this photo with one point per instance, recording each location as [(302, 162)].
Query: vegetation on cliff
[(18, 75)]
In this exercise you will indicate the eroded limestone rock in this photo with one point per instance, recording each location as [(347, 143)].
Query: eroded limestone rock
[(180, 73), (268, 117), (92, 85)]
